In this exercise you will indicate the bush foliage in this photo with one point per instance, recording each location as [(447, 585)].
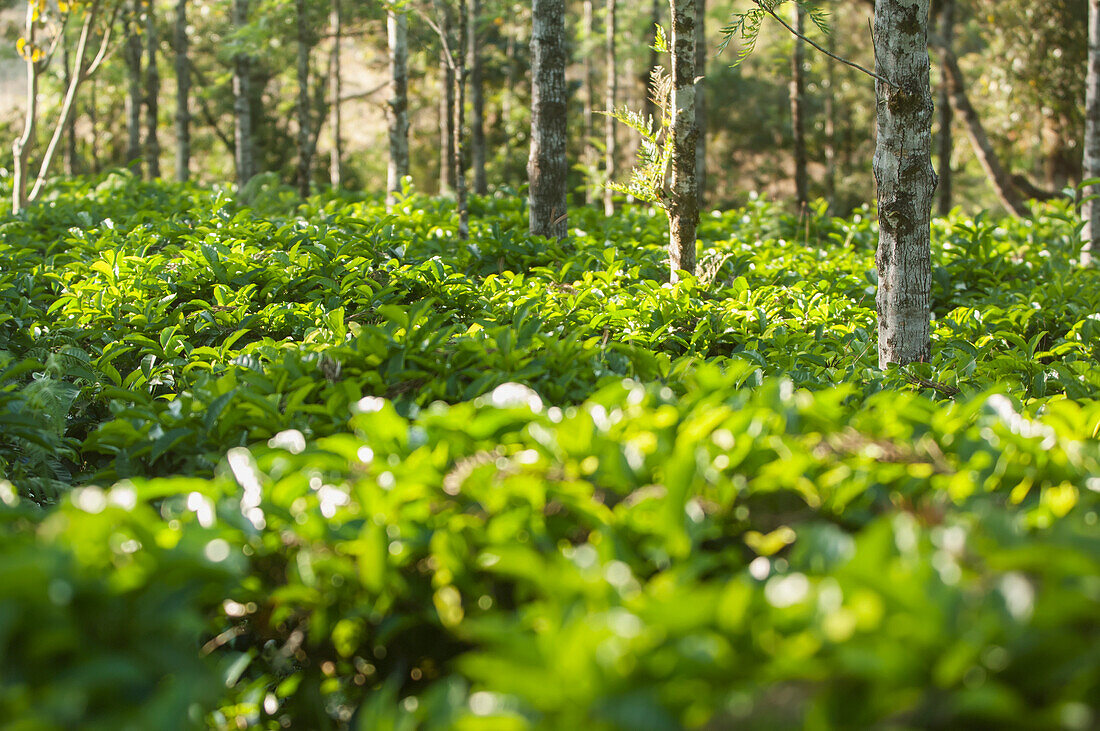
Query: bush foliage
[(277, 463)]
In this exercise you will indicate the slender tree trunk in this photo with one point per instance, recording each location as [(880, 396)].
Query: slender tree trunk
[(1091, 167), (397, 109), (612, 91), (947, 116), (68, 104), (701, 100), (906, 181), (589, 101), (458, 56), (830, 128), (133, 95), (305, 156), (21, 149), (798, 106), (336, 159), (651, 108), (683, 204), (242, 102), (183, 94), (152, 94), (70, 128), (477, 100), (93, 123), (987, 157), (446, 123), (547, 166)]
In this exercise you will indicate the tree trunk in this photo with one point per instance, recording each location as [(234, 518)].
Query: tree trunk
[(652, 110), (242, 102), (947, 116), (336, 159), (458, 58), (21, 149), (152, 95), (133, 96), (1091, 166), (701, 100), (305, 154), (683, 204), (547, 167), (70, 128), (589, 102), (830, 127), (397, 109), (906, 181), (477, 100), (183, 95), (991, 164), (798, 106), (610, 133), (446, 123)]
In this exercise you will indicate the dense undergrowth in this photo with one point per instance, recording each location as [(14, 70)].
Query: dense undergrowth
[(367, 475)]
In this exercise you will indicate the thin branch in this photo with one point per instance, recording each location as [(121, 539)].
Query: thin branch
[(104, 45), (831, 55)]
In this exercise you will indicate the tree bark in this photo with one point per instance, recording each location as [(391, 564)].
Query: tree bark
[(547, 166), (987, 157), (21, 149), (588, 87), (242, 102), (947, 116), (70, 156), (397, 109), (336, 159), (701, 100), (906, 181), (477, 100), (183, 94), (305, 154), (798, 105), (446, 123), (1091, 211), (133, 95), (458, 59), (683, 203), (612, 92), (152, 95)]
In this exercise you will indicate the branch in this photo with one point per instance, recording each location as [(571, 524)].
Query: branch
[(831, 55)]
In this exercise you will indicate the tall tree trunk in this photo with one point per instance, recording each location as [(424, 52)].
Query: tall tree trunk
[(547, 166), (183, 94), (133, 96), (947, 116), (446, 126), (701, 100), (589, 101), (93, 123), (70, 129), (68, 104), (21, 149), (1091, 166), (651, 108), (906, 181), (458, 58), (242, 102), (336, 159), (798, 106), (994, 170), (611, 71), (510, 74), (305, 154), (830, 127), (683, 204), (477, 100), (152, 94), (397, 109)]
